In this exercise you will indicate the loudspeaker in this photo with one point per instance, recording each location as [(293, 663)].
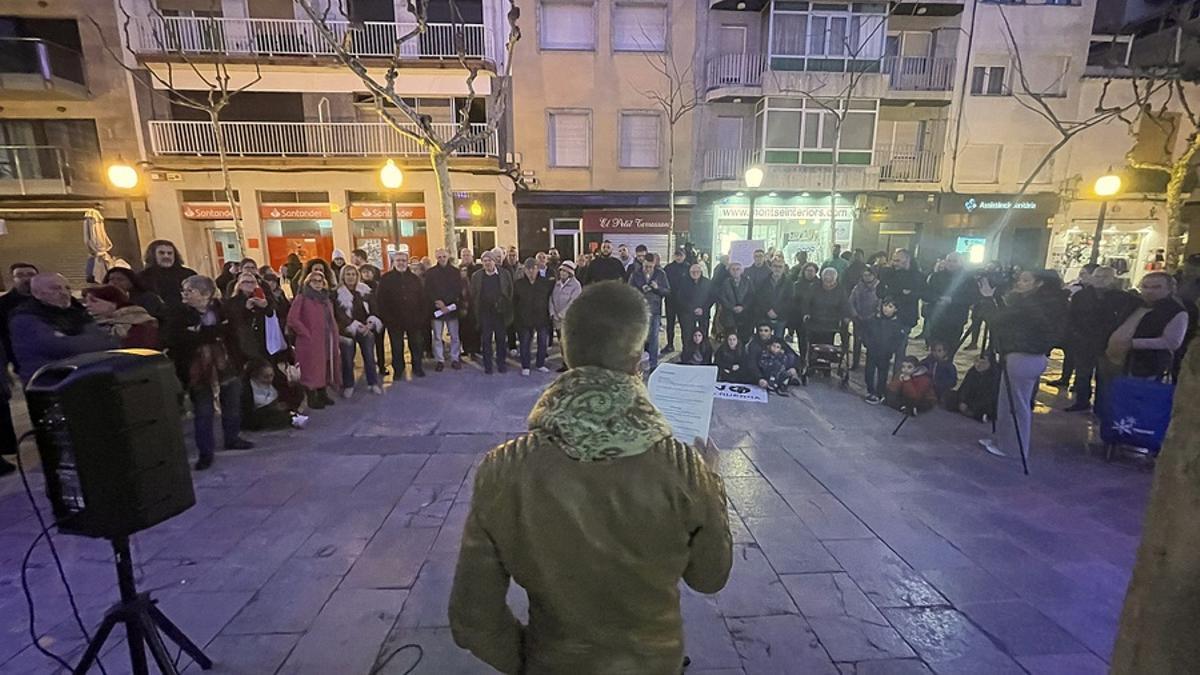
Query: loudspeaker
[(110, 434)]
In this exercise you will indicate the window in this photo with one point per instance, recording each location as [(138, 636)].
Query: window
[(567, 25), (570, 139), (640, 140), (800, 131), (989, 81), (825, 30), (979, 163), (1047, 74), (639, 28)]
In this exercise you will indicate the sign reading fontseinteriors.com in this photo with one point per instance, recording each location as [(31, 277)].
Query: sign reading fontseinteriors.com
[(635, 222)]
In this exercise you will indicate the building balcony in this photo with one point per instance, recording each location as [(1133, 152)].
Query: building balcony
[(733, 75), (32, 68), (252, 38), (919, 73), (39, 170), (725, 169), (907, 164), (1127, 55), (303, 139)]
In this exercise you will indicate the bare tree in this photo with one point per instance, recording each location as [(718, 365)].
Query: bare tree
[(676, 97), (399, 114), (211, 69)]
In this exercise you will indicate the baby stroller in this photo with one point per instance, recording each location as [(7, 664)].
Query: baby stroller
[(823, 356)]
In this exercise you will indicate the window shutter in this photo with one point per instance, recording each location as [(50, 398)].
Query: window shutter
[(567, 26), (639, 141), (640, 28), (569, 142)]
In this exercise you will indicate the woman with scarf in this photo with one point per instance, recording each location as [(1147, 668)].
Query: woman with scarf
[(359, 327), (318, 265), (129, 323), (196, 341), (248, 309), (127, 280), (369, 275), (312, 321)]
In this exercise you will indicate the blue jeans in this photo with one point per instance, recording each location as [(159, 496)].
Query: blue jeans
[(543, 345), (230, 394), (652, 340), (366, 344), (876, 374), (493, 332)]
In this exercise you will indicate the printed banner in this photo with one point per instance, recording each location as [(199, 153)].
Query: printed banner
[(740, 392), (635, 222), (384, 211), (294, 211)]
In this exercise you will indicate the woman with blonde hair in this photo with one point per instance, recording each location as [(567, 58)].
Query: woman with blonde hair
[(318, 353)]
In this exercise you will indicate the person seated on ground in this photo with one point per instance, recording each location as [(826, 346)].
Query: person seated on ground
[(941, 369), (264, 407), (764, 335), (697, 351), (911, 391), (600, 488), (976, 396), (776, 368), (52, 326), (733, 363), (127, 322)]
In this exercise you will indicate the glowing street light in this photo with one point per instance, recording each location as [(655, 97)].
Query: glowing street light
[(476, 209), (753, 178), (1105, 187), (122, 176), (391, 176)]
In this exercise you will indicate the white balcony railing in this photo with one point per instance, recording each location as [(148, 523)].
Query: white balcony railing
[(725, 163), (907, 164), (919, 73), (303, 139), (736, 70), (294, 37)]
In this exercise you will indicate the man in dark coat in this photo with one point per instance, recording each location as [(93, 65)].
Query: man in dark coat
[(403, 304), (531, 315), (648, 278), (22, 275), (604, 267), (677, 274), (53, 326), (443, 283), (949, 295), (1094, 313), (905, 284), (775, 298), (694, 298), (164, 272), (736, 299), (492, 297), (759, 270)]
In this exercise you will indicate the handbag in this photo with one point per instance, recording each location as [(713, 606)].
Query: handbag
[(290, 371), (275, 341)]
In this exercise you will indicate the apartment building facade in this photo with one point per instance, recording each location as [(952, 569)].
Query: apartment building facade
[(304, 141), (65, 111)]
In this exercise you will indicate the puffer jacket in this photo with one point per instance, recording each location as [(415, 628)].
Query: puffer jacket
[(597, 512), (1026, 323)]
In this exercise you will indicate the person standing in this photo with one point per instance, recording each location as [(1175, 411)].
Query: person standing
[(775, 298), (117, 316), (358, 326), (51, 326), (836, 261), (627, 261), (759, 270), (1150, 336), (531, 313), (247, 310), (566, 289), (290, 270), (492, 294), (318, 351), (604, 267), (21, 274), (127, 280), (443, 283), (196, 341), (882, 335), (735, 297), (677, 274), (1095, 311), (468, 327), (864, 305), (653, 284), (403, 306), (905, 284), (337, 262), (694, 298), (164, 272), (564, 496), (360, 259), (949, 296)]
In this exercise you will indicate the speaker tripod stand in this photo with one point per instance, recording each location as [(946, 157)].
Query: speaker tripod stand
[(142, 619)]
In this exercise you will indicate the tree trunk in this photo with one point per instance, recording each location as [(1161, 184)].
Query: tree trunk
[(441, 170), (1006, 215), (671, 242), (1176, 228), (837, 144), (1162, 605), (214, 117)]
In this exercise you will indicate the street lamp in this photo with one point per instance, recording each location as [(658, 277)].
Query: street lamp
[(1105, 187), (124, 178), (392, 178), (754, 178)]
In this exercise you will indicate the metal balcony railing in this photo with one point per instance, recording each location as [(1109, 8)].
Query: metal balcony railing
[(33, 170), (34, 56), (736, 70), (304, 139), (919, 73), (294, 37), (907, 164), (725, 163)]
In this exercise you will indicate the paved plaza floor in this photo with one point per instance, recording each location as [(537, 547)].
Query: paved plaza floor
[(856, 552)]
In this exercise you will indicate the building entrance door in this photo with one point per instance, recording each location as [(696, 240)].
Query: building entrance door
[(565, 236)]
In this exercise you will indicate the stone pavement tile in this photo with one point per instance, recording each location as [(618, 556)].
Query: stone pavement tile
[(948, 642), (201, 616), (255, 559), (739, 531), (347, 634), (886, 667), (754, 496), (470, 444), (779, 645), (376, 437), (789, 546), (1021, 629), (921, 547), (826, 516), (706, 637), (785, 473), (389, 478), (1064, 664), (440, 656), (424, 505), (1093, 624), (849, 639), (246, 654), (216, 536), (753, 589), (886, 579), (428, 604), (830, 594), (716, 671), (967, 584), (270, 491), (392, 559), (448, 469), (288, 603), (849, 626), (734, 463)]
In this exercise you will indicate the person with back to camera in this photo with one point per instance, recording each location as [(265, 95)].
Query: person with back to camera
[(597, 513)]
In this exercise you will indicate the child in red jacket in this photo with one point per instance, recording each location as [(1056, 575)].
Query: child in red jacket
[(911, 391)]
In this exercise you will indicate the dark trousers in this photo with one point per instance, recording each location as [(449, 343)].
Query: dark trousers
[(673, 317), (416, 344), (526, 348), (689, 323), (468, 333), (860, 327), (1070, 365), (203, 412), (1085, 364), (379, 349), (267, 417), (493, 335), (8, 435), (877, 373)]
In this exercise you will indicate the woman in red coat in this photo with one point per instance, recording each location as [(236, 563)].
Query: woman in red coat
[(129, 323), (312, 321)]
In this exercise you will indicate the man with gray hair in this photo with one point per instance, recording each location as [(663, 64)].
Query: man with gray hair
[(492, 299), (599, 488), (443, 284), (52, 325)]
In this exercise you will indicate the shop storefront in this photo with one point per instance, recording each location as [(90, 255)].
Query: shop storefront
[(475, 221), (379, 225), (1133, 240), (305, 229), (210, 231), (787, 224), (994, 228), (649, 227)]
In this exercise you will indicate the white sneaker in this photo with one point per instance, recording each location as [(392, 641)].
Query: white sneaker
[(543, 369), (525, 372), (299, 421), (991, 448), (376, 389), (348, 392)]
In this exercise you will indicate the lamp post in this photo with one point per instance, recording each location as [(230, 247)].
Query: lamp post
[(125, 178), (1105, 187), (392, 178), (753, 178)]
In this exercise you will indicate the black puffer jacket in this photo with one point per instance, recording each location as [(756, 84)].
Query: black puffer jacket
[(1026, 323)]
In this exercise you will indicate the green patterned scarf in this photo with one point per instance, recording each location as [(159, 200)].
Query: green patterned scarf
[(594, 413)]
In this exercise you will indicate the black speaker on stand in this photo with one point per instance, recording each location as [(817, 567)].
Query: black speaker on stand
[(110, 435)]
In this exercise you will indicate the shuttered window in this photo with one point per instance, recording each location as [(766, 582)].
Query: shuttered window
[(639, 28), (570, 139), (567, 25), (640, 140)]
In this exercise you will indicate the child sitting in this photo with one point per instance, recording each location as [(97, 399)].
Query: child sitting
[(884, 335), (911, 391), (263, 407), (941, 369), (976, 397), (776, 368)]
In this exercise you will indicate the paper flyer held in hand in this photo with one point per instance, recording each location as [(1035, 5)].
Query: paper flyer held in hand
[(437, 314), (684, 394)]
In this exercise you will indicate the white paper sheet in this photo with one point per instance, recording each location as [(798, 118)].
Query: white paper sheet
[(684, 395)]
